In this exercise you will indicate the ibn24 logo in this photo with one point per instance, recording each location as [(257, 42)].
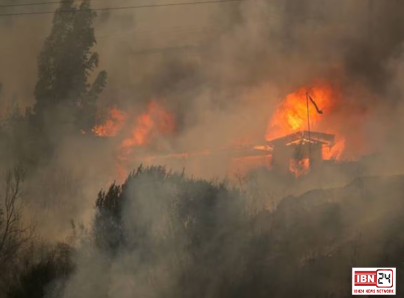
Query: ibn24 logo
[(373, 281)]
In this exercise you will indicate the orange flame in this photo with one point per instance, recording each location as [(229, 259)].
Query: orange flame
[(299, 167), (155, 121), (291, 116), (335, 152), (112, 126)]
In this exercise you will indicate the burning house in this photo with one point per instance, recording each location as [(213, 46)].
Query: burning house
[(290, 145), (300, 152)]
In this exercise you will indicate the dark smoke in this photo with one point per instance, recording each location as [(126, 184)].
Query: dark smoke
[(220, 70)]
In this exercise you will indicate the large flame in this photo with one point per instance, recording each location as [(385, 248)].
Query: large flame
[(135, 131), (293, 112), (155, 121), (290, 116), (113, 125)]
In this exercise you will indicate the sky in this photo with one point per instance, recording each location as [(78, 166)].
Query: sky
[(138, 34)]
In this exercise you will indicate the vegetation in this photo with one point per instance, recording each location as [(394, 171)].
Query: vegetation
[(172, 236), (63, 92), (162, 234), (65, 98), (65, 104)]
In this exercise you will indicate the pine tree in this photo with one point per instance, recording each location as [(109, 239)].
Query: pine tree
[(63, 92)]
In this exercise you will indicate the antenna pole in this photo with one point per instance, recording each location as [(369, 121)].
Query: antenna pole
[(308, 125)]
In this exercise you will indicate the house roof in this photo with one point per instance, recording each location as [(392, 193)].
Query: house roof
[(302, 137)]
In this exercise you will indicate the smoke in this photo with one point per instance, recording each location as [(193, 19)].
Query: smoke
[(157, 236), (255, 54), (220, 70)]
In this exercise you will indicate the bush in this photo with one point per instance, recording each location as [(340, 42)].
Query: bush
[(49, 274)]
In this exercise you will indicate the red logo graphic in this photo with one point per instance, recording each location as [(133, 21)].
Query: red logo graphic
[(365, 278), (381, 278), (373, 281)]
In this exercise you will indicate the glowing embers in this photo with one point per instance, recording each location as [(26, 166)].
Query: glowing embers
[(113, 124), (299, 167), (335, 151), (299, 152)]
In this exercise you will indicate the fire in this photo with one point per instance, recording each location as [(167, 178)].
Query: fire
[(155, 121), (139, 131), (112, 126), (335, 151), (299, 167), (292, 114)]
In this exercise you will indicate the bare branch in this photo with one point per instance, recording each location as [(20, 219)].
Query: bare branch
[(12, 234)]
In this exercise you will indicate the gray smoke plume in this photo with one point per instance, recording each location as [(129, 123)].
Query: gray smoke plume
[(220, 70)]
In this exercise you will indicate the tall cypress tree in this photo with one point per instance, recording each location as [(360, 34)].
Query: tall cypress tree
[(64, 96)]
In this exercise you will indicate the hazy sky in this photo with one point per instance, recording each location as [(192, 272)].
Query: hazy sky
[(130, 32)]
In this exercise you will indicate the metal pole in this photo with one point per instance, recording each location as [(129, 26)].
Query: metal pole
[(370, 22), (308, 126)]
